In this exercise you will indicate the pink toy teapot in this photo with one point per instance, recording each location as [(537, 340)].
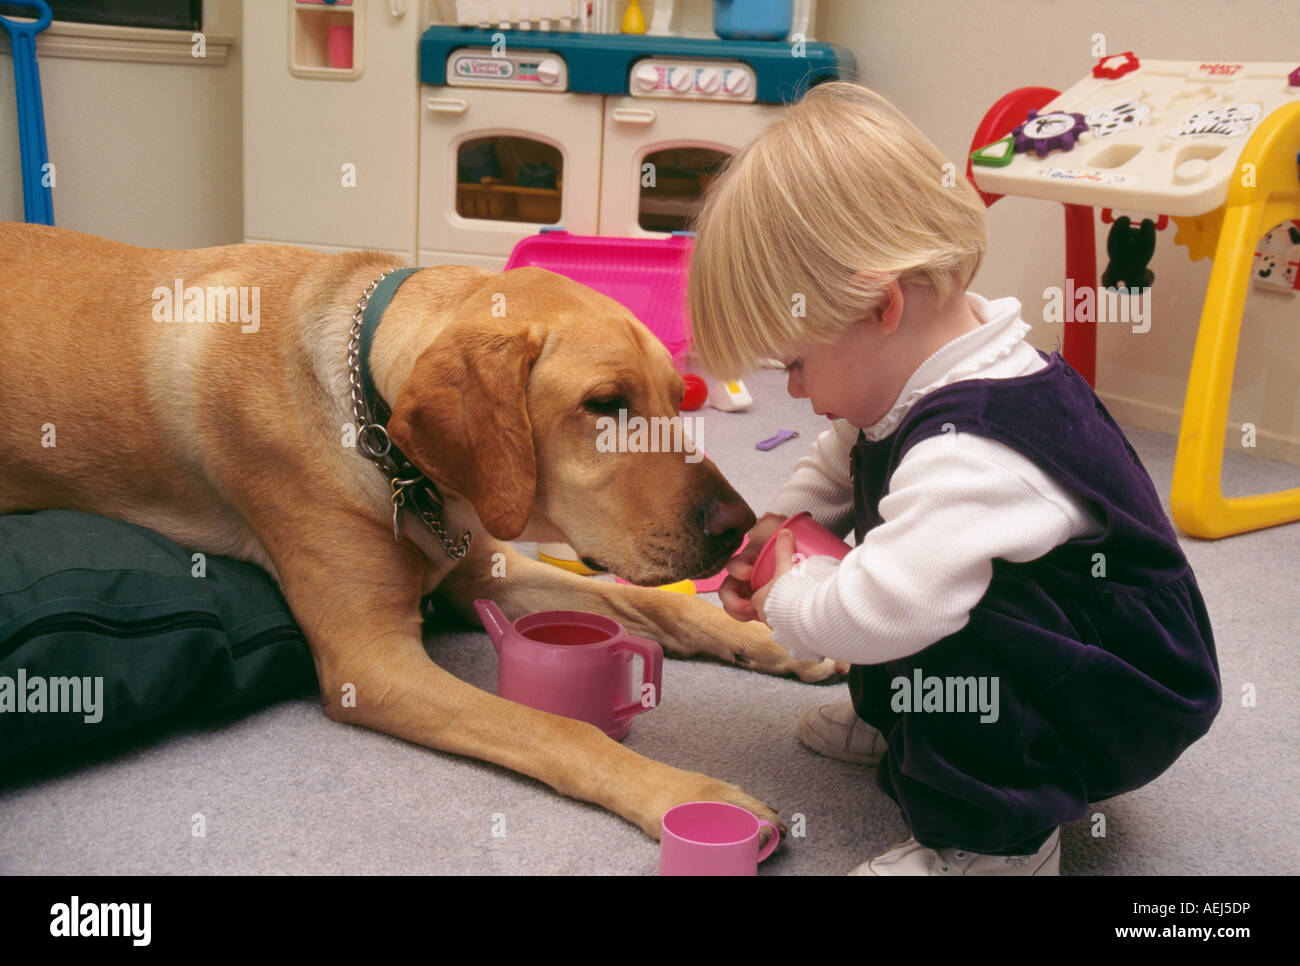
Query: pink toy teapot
[(575, 664)]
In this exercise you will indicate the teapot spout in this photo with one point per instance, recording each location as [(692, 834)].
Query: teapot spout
[(494, 621)]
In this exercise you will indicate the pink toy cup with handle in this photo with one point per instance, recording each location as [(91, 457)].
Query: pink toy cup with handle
[(712, 838), (811, 539), (575, 664)]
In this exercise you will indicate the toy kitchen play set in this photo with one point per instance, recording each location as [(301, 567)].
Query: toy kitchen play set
[(446, 132)]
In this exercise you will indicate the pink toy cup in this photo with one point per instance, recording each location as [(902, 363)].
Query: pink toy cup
[(574, 664), (811, 539), (712, 838)]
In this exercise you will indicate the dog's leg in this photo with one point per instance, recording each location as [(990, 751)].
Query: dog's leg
[(364, 629), (683, 625)]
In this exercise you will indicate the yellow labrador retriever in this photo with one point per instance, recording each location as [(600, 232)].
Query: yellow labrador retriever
[(237, 438)]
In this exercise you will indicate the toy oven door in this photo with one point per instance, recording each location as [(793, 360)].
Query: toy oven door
[(497, 165), (660, 156)]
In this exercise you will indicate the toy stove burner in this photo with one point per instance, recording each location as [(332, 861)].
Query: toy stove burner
[(1045, 133)]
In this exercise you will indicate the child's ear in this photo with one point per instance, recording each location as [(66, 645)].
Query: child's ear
[(891, 310)]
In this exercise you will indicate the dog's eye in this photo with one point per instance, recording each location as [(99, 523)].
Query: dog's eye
[(605, 405)]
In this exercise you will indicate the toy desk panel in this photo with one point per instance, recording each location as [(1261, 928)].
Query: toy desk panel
[(1162, 137)]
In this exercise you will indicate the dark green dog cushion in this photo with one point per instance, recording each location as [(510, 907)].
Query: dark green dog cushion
[(137, 619)]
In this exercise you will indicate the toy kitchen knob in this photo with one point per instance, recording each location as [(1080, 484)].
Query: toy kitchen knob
[(736, 82), (647, 77), (709, 80), (548, 70), (681, 79)]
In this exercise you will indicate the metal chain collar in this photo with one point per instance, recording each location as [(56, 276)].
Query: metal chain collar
[(374, 444)]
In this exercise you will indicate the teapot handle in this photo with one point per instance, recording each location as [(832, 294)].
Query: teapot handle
[(653, 656)]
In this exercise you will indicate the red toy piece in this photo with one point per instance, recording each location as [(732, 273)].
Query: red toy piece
[(697, 390), (1116, 65)]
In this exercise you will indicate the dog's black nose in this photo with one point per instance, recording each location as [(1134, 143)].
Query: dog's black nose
[(728, 518)]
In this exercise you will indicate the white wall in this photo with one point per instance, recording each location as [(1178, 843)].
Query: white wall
[(145, 153), (944, 63)]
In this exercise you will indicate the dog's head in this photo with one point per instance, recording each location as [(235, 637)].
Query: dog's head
[(548, 405)]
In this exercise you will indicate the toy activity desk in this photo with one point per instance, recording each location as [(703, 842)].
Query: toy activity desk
[(1212, 146)]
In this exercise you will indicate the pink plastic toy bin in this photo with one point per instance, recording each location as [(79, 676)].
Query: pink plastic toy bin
[(648, 275)]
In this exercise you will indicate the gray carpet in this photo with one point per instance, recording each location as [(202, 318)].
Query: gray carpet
[(285, 790)]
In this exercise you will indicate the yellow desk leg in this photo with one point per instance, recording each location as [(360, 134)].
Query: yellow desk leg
[(1264, 192)]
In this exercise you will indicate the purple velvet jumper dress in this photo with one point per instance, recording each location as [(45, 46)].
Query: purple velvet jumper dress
[(1101, 650)]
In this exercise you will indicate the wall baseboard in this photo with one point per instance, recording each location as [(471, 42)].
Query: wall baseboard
[(88, 41), (1165, 419)]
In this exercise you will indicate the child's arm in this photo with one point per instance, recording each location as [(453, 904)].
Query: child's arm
[(821, 484), (954, 505)]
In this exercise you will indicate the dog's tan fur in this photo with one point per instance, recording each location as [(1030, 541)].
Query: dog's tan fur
[(232, 442)]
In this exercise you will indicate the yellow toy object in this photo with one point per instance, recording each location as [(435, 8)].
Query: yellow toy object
[(1265, 193), (633, 19), (566, 558), (730, 396), (1198, 233), (563, 556), (680, 587)]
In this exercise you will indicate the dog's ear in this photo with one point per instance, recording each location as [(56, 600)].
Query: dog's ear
[(462, 418)]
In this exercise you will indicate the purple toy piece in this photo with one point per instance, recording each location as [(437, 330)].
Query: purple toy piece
[(1293, 78), (774, 441), (1048, 132)]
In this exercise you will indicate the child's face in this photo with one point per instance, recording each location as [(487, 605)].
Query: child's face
[(853, 378)]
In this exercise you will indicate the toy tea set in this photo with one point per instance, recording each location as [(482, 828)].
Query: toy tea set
[(581, 665)]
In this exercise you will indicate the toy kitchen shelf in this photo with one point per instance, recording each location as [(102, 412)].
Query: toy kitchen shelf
[(327, 39), (1213, 145)]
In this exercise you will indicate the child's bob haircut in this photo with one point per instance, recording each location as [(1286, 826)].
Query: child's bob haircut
[(809, 223)]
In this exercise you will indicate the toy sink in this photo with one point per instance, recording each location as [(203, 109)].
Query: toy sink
[(648, 275)]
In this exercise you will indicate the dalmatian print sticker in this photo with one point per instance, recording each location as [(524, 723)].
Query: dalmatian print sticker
[(1230, 120), (1277, 258), (1124, 116)]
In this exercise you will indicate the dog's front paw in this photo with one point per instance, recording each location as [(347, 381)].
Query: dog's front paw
[(825, 671), (754, 648)]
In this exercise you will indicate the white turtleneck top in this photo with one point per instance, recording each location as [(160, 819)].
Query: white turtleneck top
[(956, 502)]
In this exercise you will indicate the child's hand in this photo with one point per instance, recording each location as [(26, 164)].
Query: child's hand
[(735, 592), (782, 563)]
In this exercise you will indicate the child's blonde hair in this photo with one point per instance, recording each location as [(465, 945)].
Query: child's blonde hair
[(809, 223)]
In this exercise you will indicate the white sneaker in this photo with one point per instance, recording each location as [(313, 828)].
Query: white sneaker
[(836, 731), (913, 858)]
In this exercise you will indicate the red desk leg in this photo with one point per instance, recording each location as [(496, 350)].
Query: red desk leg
[(1081, 267)]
